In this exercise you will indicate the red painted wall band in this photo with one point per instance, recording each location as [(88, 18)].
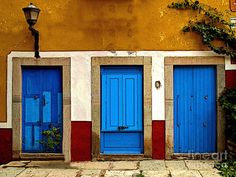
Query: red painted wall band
[(5, 145), (230, 78), (158, 139), (81, 137)]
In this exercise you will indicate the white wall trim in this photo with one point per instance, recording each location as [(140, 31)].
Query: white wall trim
[(81, 78), (228, 65)]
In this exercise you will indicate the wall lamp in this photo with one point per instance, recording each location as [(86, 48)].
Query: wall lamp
[(31, 14), (158, 84)]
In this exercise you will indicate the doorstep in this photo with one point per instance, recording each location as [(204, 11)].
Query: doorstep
[(196, 156), (41, 156), (120, 157)]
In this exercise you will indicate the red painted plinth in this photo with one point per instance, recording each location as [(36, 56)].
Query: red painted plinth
[(5, 145), (81, 137), (230, 78), (158, 139)]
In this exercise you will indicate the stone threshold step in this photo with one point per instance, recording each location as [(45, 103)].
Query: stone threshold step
[(41, 156)]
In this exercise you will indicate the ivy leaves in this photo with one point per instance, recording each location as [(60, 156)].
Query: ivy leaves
[(211, 25), (228, 103)]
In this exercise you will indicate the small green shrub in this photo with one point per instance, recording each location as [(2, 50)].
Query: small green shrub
[(227, 169), (140, 174), (51, 139)]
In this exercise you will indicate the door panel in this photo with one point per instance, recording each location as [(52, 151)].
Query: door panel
[(122, 143), (42, 107), (32, 109), (121, 110), (194, 109), (32, 138), (47, 107)]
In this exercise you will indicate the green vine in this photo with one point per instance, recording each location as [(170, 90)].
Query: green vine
[(212, 25)]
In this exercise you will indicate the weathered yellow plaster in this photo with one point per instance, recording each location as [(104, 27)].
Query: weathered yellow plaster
[(67, 25)]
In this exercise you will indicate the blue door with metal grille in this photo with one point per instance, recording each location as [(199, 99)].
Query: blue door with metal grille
[(121, 110), (194, 109), (41, 110)]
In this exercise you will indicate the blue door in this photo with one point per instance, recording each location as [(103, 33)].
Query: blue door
[(42, 110), (194, 109), (122, 114)]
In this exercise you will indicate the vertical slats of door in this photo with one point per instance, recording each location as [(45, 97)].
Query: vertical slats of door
[(194, 109), (182, 108), (205, 108)]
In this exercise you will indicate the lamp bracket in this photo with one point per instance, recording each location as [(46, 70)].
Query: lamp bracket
[(35, 33)]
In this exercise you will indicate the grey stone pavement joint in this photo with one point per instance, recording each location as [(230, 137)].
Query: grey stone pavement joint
[(149, 168)]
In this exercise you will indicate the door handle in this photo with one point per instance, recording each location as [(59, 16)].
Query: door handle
[(122, 127), (44, 100)]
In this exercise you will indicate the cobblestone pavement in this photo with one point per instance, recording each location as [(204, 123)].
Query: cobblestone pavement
[(149, 168)]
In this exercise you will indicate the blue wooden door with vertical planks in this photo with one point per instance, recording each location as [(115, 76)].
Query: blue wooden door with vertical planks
[(121, 112), (194, 109), (41, 108)]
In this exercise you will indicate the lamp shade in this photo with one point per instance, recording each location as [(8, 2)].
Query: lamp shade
[(31, 14)]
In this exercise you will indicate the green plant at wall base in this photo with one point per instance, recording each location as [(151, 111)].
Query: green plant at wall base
[(51, 139), (140, 174), (228, 103), (212, 25), (227, 169)]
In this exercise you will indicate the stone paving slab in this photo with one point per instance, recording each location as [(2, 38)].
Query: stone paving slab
[(200, 164), (16, 164), (63, 173), (10, 171), (124, 165), (90, 173), (185, 173), (35, 172), (211, 173), (175, 164), (151, 168), (91, 165), (152, 165), (118, 173), (160, 173), (48, 164)]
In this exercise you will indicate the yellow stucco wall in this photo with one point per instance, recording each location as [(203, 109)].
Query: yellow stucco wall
[(67, 25)]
